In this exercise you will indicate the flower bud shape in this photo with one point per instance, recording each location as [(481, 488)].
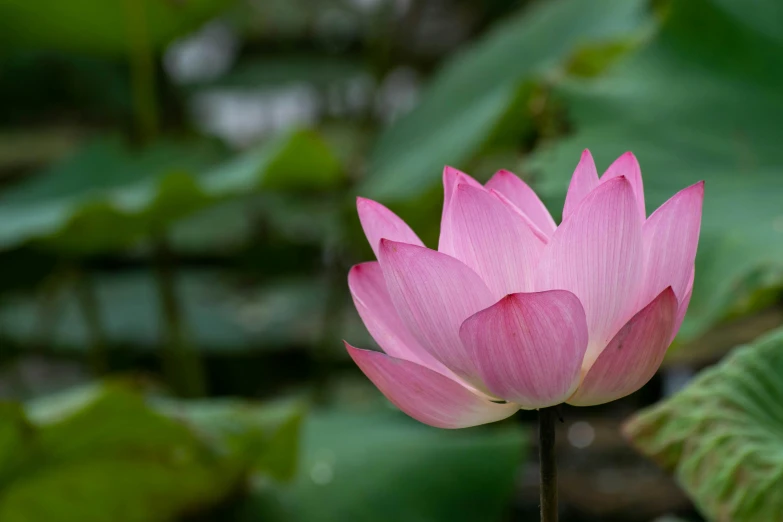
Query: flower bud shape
[(514, 311)]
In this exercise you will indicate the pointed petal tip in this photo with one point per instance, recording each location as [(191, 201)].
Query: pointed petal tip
[(357, 269), (621, 180), (586, 154), (667, 294), (448, 170), (386, 244), (362, 202)]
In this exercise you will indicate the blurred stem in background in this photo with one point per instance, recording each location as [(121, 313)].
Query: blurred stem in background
[(48, 309), (91, 312), (330, 328), (182, 366), (547, 463), (142, 62), (181, 363)]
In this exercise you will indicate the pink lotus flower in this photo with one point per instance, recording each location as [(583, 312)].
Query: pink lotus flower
[(513, 311)]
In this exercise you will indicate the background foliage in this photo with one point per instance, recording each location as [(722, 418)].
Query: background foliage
[(177, 181)]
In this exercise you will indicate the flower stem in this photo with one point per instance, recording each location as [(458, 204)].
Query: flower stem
[(547, 463)]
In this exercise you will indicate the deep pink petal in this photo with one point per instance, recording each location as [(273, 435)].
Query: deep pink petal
[(493, 240), (671, 236), (434, 293), (529, 347), (372, 300), (451, 178), (425, 395), (379, 222), (521, 195), (597, 254), (584, 180), (683, 306), (633, 356), (627, 165)]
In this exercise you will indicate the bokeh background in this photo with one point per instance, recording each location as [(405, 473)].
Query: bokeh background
[(177, 187)]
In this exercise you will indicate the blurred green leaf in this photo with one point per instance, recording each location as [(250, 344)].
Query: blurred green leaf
[(267, 436), (98, 26), (721, 436), (101, 453), (702, 101), (471, 93), (383, 467), (111, 452), (108, 196)]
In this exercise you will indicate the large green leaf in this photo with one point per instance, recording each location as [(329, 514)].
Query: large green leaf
[(472, 92), (108, 195), (103, 454), (383, 467), (701, 101), (722, 436), (111, 452), (101, 26)]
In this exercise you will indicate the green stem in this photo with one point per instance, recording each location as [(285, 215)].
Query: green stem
[(88, 303), (142, 62), (547, 463), (181, 364)]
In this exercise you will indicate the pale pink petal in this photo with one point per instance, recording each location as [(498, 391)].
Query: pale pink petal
[(532, 226), (379, 222), (493, 240), (671, 236), (425, 395), (434, 293), (683, 306), (519, 193), (633, 356), (529, 347), (372, 300), (584, 180), (627, 165), (451, 178), (597, 254)]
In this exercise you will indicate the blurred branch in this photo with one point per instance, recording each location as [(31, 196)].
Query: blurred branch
[(181, 364)]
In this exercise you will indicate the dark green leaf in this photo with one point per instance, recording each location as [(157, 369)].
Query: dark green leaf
[(721, 436)]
